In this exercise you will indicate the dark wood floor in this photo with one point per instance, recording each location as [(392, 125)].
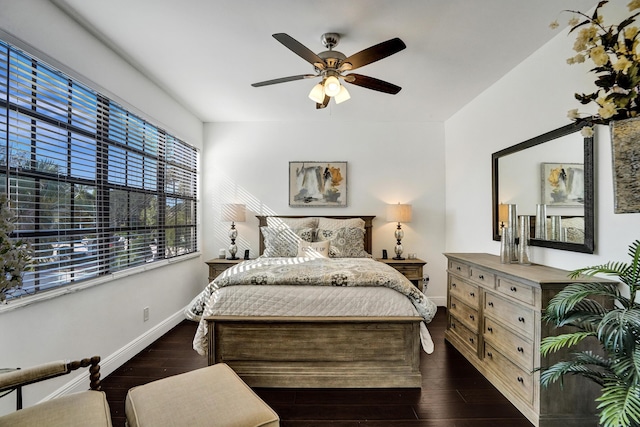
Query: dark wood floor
[(453, 393)]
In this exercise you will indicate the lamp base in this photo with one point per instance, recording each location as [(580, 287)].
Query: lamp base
[(232, 258), (398, 258)]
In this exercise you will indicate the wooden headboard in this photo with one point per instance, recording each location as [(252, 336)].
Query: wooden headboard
[(368, 225)]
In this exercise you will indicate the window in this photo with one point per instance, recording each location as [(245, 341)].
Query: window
[(95, 188)]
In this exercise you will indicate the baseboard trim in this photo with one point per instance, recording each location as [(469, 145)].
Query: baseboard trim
[(112, 362), (439, 301)]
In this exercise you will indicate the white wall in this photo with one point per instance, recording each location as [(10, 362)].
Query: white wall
[(387, 163), (107, 319), (530, 100)]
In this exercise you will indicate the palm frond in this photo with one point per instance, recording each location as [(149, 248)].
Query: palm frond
[(617, 330), (609, 269), (557, 371), (552, 344), (566, 300), (619, 404)]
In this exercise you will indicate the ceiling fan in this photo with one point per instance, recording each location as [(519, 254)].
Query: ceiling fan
[(331, 64)]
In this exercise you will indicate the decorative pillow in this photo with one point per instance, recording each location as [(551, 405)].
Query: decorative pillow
[(335, 224), (313, 249), (283, 242), (345, 242), (294, 223)]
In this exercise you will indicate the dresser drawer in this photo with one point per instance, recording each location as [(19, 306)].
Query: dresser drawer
[(479, 275), (516, 316), (516, 290), (459, 268), (466, 314), (465, 291), (466, 335), (519, 381), (516, 347)]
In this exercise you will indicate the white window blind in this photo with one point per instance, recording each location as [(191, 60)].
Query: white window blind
[(95, 188)]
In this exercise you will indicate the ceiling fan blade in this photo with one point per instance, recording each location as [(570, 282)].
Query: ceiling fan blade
[(283, 80), (375, 53), (324, 104), (299, 49), (372, 83)]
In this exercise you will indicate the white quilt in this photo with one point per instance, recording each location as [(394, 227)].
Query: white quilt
[(310, 287)]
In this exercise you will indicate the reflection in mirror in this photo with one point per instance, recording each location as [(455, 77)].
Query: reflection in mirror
[(550, 177)]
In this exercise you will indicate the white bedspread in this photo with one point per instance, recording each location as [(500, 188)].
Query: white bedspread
[(305, 287)]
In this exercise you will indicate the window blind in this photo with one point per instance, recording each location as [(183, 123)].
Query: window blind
[(95, 189)]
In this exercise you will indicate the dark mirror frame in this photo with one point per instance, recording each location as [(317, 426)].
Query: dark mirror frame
[(588, 245)]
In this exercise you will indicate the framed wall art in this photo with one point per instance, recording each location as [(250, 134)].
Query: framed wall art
[(562, 184), (322, 184)]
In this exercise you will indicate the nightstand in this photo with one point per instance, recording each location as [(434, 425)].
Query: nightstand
[(218, 265), (410, 268)]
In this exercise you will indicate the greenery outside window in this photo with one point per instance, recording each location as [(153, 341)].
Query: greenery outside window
[(95, 188)]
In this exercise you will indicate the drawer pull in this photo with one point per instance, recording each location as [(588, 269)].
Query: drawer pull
[(490, 329), (472, 317), (471, 340), (453, 285), (453, 305), (489, 354), (521, 319), (520, 350), (453, 326), (521, 380), (458, 268), (490, 304), (472, 294), (481, 277), (513, 289)]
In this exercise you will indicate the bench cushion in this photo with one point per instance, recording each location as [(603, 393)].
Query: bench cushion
[(211, 396), (87, 408)]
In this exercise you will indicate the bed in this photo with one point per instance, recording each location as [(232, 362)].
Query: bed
[(326, 316)]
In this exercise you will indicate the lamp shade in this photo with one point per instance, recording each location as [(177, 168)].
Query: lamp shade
[(317, 93), (399, 213), (331, 86), (503, 212), (343, 95), (233, 212)]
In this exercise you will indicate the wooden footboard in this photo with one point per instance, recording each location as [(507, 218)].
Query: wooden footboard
[(319, 352)]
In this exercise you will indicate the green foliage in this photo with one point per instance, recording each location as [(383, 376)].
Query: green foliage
[(616, 328), (14, 254)]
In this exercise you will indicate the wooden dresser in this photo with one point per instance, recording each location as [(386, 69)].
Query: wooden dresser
[(494, 320)]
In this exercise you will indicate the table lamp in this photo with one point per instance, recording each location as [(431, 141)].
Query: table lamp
[(399, 213), (233, 212)]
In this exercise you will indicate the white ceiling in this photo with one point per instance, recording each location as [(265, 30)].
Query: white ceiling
[(206, 53)]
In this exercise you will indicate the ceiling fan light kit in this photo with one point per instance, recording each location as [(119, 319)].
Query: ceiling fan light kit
[(330, 64)]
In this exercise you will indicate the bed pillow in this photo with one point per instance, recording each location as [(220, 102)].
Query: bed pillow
[(345, 242), (283, 242), (313, 249), (293, 223), (336, 224)]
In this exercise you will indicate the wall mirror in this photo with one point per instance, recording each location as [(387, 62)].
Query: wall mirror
[(554, 170)]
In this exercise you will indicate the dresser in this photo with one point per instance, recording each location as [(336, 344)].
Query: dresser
[(494, 319)]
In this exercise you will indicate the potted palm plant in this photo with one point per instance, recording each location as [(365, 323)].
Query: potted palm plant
[(616, 369), (14, 254)]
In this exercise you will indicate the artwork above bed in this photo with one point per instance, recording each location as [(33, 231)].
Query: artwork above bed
[(319, 184)]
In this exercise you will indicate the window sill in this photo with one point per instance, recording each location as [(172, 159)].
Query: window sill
[(55, 293)]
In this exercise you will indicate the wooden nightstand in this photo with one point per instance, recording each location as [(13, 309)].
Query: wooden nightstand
[(218, 265), (410, 268)]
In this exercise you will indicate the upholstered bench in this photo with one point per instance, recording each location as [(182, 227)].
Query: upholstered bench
[(211, 396)]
